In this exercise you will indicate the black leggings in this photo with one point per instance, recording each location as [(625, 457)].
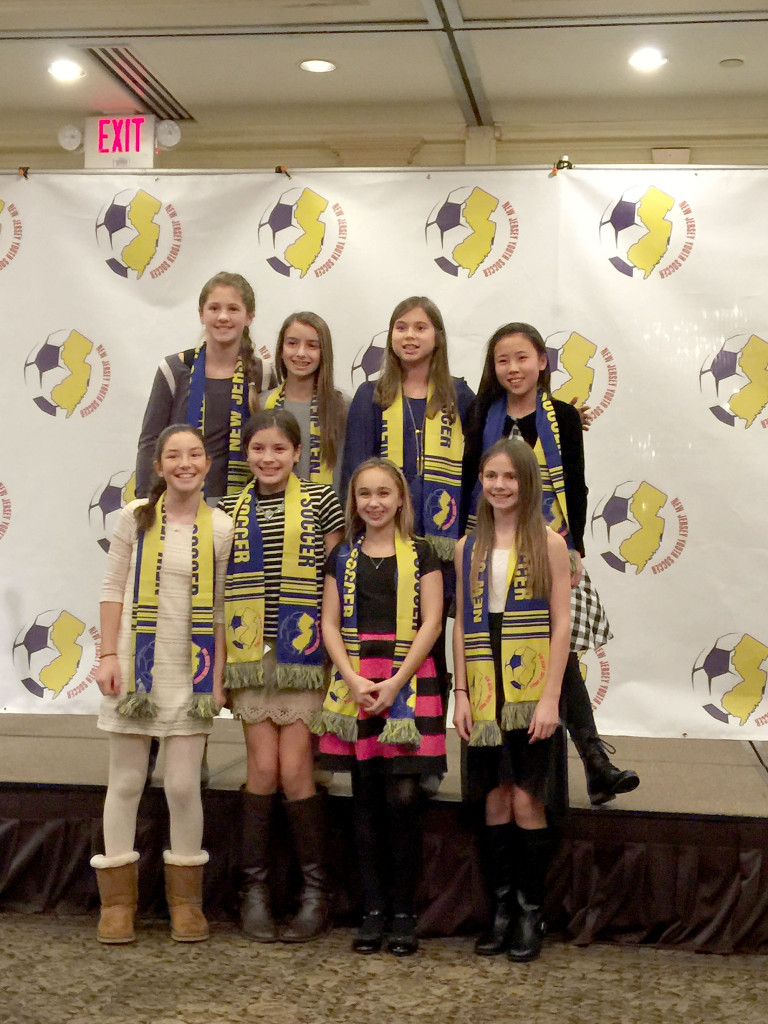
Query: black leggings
[(387, 818)]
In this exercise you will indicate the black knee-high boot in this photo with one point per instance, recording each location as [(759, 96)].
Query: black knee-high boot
[(307, 822), (604, 780), (527, 933), (255, 906), (498, 843)]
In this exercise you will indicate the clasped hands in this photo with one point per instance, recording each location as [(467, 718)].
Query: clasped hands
[(374, 698)]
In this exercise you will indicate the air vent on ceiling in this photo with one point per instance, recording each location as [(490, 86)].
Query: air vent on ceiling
[(139, 81)]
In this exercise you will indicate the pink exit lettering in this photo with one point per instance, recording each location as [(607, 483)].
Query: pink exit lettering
[(120, 134)]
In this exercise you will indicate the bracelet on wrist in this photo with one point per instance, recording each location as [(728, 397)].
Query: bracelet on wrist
[(109, 654), (460, 689)]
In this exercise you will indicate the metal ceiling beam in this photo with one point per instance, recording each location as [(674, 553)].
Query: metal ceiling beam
[(458, 56)]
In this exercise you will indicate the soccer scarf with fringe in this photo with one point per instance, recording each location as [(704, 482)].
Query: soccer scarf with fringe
[(238, 473), (547, 452), (300, 653), (150, 543), (319, 472), (443, 442), (340, 710), (524, 650)]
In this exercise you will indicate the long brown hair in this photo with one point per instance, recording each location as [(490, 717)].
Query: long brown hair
[(531, 529), (252, 366), (404, 515), (331, 408), (145, 514), (391, 378), (490, 389)]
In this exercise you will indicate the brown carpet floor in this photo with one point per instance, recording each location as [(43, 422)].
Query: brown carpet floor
[(52, 971)]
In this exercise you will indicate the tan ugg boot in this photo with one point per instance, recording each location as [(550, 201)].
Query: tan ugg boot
[(118, 879), (184, 893)]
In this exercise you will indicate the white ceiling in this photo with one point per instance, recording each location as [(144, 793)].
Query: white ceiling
[(413, 76)]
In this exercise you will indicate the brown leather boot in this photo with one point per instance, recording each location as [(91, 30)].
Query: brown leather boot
[(118, 880), (184, 893)]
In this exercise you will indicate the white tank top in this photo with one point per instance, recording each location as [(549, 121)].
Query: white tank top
[(497, 591)]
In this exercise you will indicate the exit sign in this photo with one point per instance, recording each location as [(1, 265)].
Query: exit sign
[(120, 140)]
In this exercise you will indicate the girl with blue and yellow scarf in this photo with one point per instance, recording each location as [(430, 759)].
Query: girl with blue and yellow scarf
[(510, 646), (276, 671), (382, 719)]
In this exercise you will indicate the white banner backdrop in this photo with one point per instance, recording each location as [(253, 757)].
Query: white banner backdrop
[(648, 284)]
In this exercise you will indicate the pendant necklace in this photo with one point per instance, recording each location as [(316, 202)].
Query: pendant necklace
[(419, 434)]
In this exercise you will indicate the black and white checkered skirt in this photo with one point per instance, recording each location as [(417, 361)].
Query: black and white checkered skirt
[(589, 623)]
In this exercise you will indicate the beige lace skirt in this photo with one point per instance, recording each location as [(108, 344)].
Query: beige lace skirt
[(272, 704)]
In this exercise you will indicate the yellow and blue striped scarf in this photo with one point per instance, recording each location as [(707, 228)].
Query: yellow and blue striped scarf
[(525, 634), (137, 702), (238, 472), (300, 653), (441, 489), (340, 710)]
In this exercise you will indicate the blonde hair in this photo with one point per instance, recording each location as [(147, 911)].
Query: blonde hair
[(391, 378), (531, 529), (404, 515), (331, 409)]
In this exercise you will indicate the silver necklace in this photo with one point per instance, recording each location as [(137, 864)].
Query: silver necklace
[(418, 432), (270, 511)]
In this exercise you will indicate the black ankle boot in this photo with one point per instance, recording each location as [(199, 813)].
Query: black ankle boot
[(370, 934), (498, 842), (604, 780), (402, 935), (527, 933)]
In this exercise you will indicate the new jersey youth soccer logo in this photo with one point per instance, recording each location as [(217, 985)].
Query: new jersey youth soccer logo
[(68, 373), (581, 372), (303, 233), (639, 528), (734, 381), (11, 232), (469, 232), (647, 232), (56, 653), (729, 680), (139, 234)]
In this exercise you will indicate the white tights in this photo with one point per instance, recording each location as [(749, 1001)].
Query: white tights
[(128, 762)]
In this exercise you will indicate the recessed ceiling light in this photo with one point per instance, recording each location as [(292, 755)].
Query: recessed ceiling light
[(647, 59), (319, 67), (66, 71), (731, 62)]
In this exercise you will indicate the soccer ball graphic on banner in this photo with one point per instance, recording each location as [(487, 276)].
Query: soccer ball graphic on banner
[(635, 230), (628, 525), (367, 363), (460, 232), (46, 654), (734, 381), (729, 677), (292, 231), (127, 232), (107, 502), (58, 372)]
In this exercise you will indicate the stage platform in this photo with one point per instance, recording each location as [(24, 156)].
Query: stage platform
[(682, 861)]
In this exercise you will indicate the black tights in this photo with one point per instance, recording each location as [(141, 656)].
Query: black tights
[(576, 705), (388, 838)]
